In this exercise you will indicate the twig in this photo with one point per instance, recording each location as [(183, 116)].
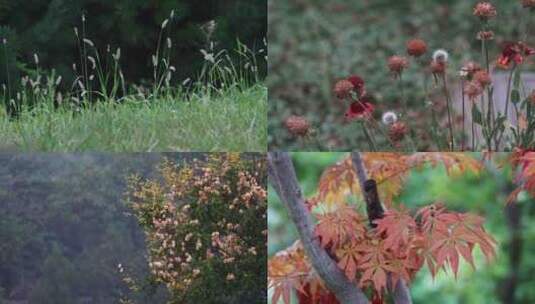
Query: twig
[(283, 179)]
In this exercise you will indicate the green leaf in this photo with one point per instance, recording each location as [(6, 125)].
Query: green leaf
[(477, 117), (515, 96)]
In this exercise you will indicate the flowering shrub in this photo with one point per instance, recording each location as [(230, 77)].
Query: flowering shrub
[(495, 124), (205, 226)]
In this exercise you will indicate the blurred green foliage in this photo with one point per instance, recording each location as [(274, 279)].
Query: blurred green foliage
[(484, 194), (314, 43), (45, 27)]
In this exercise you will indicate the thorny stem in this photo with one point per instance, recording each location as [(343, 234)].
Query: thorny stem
[(448, 105)]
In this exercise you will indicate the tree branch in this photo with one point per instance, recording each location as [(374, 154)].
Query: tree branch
[(401, 292), (283, 179)]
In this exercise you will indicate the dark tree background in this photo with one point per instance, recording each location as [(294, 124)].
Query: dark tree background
[(46, 27)]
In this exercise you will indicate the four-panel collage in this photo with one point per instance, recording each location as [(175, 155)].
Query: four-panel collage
[(267, 151)]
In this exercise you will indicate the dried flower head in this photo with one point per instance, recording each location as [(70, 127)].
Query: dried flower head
[(342, 88), (389, 118), (297, 125), (483, 78), (485, 35), (441, 55), (397, 64), (437, 67), (469, 69), (397, 131), (528, 3), (416, 47), (485, 11), (362, 108), (473, 89)]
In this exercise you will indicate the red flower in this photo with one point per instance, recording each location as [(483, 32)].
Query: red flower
[(358, 84), (362, 108), (416, 47), (514, 51)]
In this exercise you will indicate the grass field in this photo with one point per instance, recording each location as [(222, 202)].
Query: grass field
[(218, 120)]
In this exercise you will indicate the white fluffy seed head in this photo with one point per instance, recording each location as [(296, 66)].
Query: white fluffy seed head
[(36, 59), (441, 55), (389, 118)]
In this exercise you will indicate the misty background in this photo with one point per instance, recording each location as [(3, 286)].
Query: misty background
[(64, 228)]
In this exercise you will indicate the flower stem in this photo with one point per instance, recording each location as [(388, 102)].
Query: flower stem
[(464, 131), (507, 101), (473, 128), (448, 104), (373, 147)]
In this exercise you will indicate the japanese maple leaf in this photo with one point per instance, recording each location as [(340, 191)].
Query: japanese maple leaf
[(287, 272), (397, 225), (348, 259), (463, 232), (335, 228), (374, 264), (429, 218), (315, 293)]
